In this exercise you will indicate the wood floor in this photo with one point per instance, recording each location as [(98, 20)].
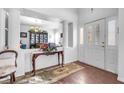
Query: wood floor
[(90, 75)]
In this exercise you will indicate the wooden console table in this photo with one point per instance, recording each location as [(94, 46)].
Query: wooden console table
[(37, 54)]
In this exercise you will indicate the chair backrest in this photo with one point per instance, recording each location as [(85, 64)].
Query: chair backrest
[(9, 53)]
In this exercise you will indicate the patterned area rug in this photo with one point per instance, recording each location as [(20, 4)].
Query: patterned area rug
[(51, 75)]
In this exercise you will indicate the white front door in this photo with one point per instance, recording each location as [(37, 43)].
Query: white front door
[(95, 43), (101, 44)]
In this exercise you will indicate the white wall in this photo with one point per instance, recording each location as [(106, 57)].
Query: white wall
[(2, 29), (121, 46), (14, 29)]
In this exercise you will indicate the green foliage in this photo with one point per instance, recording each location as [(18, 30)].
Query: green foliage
[(50, 49)]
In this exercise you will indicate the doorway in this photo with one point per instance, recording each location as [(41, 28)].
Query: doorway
[(101, 43)]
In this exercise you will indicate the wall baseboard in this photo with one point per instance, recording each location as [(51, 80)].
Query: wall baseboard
[(120, 78)]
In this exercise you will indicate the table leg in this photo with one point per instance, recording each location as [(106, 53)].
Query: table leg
[(58, 58), (62, 59), (33, 65)]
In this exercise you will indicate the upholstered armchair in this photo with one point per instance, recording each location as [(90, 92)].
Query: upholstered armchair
[(8, 64)]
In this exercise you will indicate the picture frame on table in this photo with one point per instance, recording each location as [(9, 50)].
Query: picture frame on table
[(23, 34)]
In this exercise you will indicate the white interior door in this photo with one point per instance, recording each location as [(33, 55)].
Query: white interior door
[(95, 43)]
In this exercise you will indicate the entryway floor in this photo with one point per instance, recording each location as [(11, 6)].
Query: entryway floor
[(90, 75), (82, 74)]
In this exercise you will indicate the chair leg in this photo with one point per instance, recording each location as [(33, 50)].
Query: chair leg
[(13, 77)]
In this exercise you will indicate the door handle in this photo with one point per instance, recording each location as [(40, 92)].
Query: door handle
[(103, 46), (102, 42)]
